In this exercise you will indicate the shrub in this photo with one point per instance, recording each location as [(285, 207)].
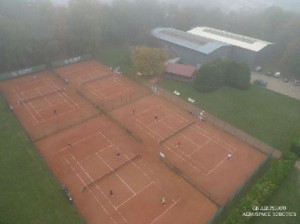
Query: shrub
[(296, 144), (261, 191), (237, 75), (217, 73), (209, 78)]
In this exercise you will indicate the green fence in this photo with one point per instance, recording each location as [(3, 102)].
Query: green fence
[(68, 61), (22, 72)]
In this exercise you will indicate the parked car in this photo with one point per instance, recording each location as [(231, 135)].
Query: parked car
[(285, 79), (258, 68), (296, 82), (269, 73), (276, 74), (260, 82)]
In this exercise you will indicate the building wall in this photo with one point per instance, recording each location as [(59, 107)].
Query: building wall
[(189, 56), (222, 52), (192, 57), (264, 55), (243, 55), (178, 77)]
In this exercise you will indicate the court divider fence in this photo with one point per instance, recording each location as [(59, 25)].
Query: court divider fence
[(103, 110)]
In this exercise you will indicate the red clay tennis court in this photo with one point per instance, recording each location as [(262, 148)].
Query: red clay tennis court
[(84, 72), (46, 105), (104, 136), (85, 158)]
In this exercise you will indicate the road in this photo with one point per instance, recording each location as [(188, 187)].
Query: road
[(277, 85)]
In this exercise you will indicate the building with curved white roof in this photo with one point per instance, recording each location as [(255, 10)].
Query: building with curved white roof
[(241, 41), (203, 44)]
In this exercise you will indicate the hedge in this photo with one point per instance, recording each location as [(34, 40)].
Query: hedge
[(296, 144), (220, 72), (261, 191)]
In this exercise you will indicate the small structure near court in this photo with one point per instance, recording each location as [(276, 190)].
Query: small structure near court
[(180, 71)]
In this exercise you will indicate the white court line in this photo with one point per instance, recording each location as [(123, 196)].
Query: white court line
[(171, 206), (65, 98), (120, 178), (155, 122), (53, 87), (183, 119), (148, 131), (153, 132), (194, 167), (81, 140), (147, 110), (95, 92), (94, 196), (143, 164), (209, 139), (132, 196), (27, 109), (213, 169), (194, 143), (109, 201), (38, 115), (95, 154), (228, 147), (136, 166)]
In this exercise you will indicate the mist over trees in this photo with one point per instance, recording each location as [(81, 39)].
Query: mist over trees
[(36, 32)]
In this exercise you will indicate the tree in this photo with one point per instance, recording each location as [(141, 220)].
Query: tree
[(291, 59), (218, 73), (148, 61), (210, 76), (237, 75), (84, 24)]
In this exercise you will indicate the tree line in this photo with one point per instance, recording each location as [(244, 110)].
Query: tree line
[(36, 32)]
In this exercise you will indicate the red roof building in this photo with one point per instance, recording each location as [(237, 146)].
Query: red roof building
[(180, 71)]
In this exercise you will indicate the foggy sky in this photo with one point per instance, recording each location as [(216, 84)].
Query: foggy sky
[(226, 5)]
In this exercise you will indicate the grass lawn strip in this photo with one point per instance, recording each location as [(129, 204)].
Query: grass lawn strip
[(29, 192)]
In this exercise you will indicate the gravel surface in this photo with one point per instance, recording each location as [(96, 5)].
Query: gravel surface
[(277, 85)]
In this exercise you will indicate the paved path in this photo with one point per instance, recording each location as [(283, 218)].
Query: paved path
[(277, 85)]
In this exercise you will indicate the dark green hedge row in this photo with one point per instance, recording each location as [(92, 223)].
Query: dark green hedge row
[(296, 144), (218, 73), (261, 191)]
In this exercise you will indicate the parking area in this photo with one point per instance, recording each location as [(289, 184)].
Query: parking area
[(277, 85)]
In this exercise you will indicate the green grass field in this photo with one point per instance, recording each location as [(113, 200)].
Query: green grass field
[(28, 191), (268, 116)]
